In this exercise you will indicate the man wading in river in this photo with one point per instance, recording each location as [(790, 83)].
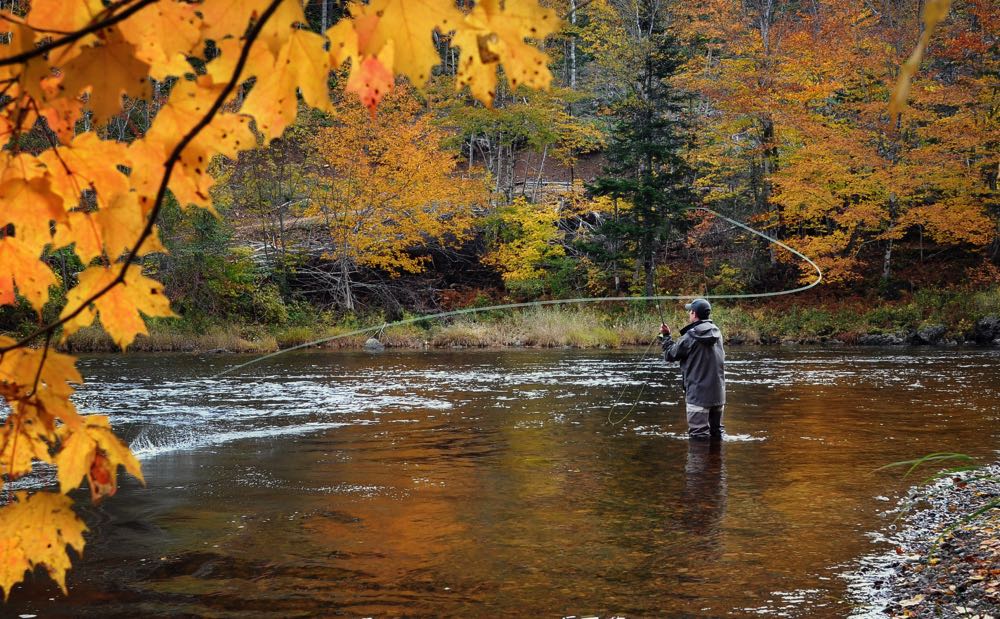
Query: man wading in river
[(703, 363)]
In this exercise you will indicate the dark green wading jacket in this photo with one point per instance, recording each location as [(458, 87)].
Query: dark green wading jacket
[(703, 362)]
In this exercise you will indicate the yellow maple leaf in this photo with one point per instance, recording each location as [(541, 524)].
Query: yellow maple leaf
[(189, 101), (20, 445), (30, 206), (44, 395), (492, 34), (113, 230), (272, 101), (13, 563), (107, 72), (88, 162), (310, 64), (22, 165), (222, 67), (478, 74), (74, 457), (120, 307), (147, 160), (82, 232), (228, 17), (409, 26), (20, 266), (121, 223), (35, 530), (227, 134), (20, 367), (343, 41), (281, 25), (165, 54)]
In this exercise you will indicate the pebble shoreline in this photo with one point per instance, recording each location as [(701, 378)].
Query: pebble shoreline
[(940, 563)]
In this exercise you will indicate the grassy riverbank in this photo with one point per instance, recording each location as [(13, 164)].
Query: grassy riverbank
[(951, 316)]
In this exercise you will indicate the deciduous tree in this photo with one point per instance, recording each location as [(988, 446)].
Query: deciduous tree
[(385, 187)]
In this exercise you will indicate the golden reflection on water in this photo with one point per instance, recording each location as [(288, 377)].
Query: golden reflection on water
[(531, 504)]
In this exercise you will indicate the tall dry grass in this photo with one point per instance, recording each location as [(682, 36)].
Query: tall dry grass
[(94, 339)]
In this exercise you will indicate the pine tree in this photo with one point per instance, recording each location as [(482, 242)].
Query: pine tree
[(646, 168)]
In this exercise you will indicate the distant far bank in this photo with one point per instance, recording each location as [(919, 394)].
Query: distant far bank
[(925, 318)]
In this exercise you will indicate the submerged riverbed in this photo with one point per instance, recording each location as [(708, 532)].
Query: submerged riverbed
[(475, 483)]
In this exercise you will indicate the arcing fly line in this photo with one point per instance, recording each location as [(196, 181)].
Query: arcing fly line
[(577, 301), (642, 387)]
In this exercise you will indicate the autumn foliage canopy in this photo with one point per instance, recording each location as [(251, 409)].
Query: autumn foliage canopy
[(231, 73)]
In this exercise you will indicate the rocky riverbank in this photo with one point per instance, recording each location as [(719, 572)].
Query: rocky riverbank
[(945, 555)]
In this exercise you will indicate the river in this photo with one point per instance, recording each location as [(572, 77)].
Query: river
[(491, 483)]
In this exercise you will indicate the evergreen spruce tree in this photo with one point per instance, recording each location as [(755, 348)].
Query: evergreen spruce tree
[(645, 163)]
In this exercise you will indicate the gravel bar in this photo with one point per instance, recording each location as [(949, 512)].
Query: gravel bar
[(944, 560)]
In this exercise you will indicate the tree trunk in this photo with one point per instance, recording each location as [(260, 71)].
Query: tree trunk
[(572, 46), (768, 165), (345, 286), (650, 271), (887, 261), (538, 179)]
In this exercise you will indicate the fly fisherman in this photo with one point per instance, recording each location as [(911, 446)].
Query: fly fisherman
[(702, 360)]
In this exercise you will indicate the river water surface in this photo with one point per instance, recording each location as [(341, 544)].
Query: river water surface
[(491, 483)]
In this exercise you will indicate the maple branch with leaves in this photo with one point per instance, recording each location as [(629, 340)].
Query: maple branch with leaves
[(72, 37), (161, 194)]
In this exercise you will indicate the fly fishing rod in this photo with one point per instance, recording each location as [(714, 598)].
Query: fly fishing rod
[(576, 301)]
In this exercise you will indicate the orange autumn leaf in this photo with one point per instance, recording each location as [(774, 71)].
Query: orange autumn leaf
[(112, 230), (59, 16), (281, 26), (93, 451), (227, 134), (19, 369), (372, 79), (61, 115), (83, 232), (309, 64), (343, 42)]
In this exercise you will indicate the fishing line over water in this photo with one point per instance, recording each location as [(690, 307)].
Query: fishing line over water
[(576, 301)]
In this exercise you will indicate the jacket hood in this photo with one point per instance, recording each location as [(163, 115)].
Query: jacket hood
[(703, 331)]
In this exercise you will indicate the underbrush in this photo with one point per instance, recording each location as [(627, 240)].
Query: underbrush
[(590, 326)]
